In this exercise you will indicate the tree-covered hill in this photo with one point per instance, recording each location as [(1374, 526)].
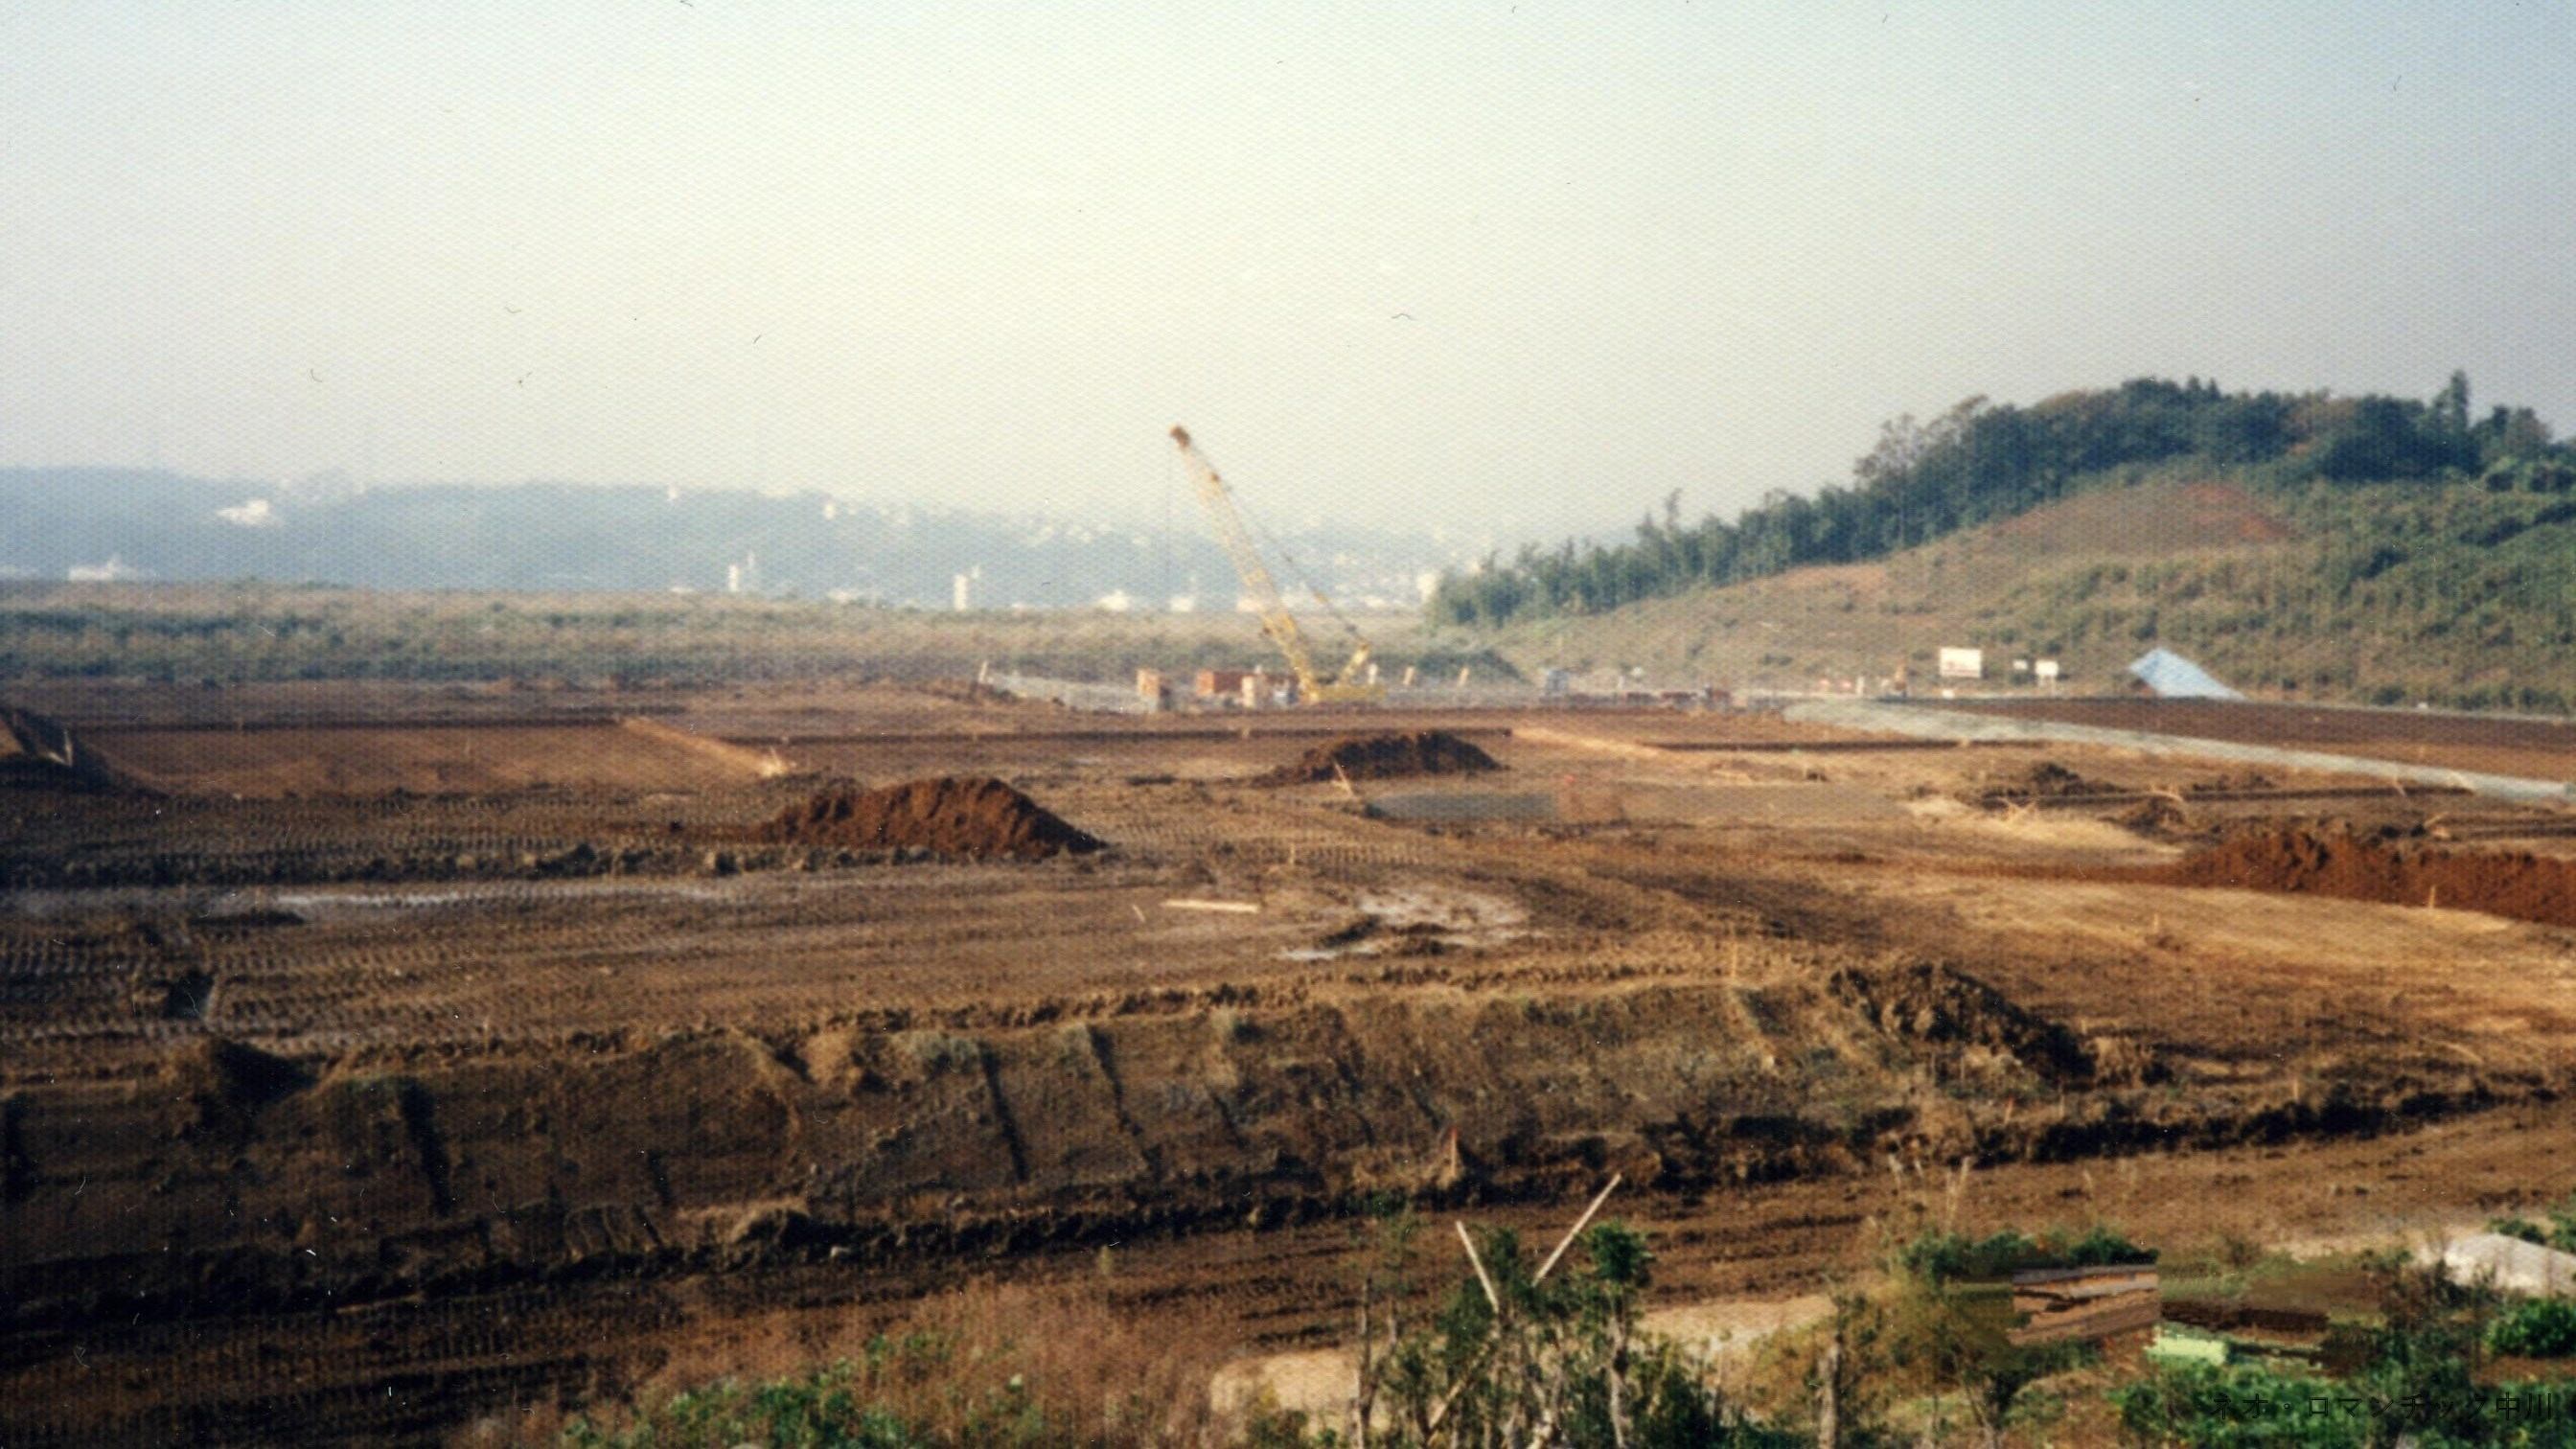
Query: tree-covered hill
[(1981, 462), (2362, 549)]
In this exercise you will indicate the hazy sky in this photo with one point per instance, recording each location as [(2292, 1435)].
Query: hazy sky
[(1449, 263)]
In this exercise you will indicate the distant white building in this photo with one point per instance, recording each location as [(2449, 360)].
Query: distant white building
[(961, 590), (257, 513), (1184, 604), (115, 570), (1116, 601)]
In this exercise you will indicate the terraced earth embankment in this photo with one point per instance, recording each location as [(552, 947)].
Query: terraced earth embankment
[(303, 1121)]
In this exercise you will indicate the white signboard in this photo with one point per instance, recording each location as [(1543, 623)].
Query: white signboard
[(1963, 664)]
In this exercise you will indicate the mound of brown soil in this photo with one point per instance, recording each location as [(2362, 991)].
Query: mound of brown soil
[(2522, 886), (1384, 757), (966, 815), (1937, 1006), (2159, 818), (2045, 780), (37, 751)]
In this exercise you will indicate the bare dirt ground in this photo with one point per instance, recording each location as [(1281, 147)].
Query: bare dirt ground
[(374, 760), (382, 1103)]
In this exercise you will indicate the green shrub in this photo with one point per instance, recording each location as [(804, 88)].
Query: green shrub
[(836, 1406), (1564, 1359), (2537, 1328), (2204, 1404), (2101, 1246), (2559, 1232), (1941, 1257)]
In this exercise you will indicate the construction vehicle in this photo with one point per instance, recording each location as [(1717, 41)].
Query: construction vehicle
[(1353, 684)]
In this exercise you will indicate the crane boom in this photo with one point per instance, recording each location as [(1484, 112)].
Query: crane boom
[(1276, 620)]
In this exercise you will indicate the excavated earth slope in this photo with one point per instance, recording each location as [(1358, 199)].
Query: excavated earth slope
[(37, 751), (236, 1178)]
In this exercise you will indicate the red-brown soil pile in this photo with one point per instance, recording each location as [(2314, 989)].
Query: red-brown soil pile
[(36, 751), (1384, 757), (2525, 887), (967, 815)]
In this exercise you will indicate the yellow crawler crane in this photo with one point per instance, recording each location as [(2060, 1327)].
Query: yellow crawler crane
[(1351, 685)]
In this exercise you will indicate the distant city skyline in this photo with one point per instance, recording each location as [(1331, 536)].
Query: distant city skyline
[(1450, 265)]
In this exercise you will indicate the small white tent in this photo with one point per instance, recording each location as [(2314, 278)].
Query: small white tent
[(2173, 677)]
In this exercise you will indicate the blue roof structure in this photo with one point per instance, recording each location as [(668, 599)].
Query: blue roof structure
[(2173, 677)]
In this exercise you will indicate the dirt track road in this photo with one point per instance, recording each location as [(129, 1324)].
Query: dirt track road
[(2538, 749)]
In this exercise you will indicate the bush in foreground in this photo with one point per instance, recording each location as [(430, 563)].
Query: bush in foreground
[(2423, 1386)]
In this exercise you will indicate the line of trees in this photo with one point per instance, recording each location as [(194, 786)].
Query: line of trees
[(1980, 461)]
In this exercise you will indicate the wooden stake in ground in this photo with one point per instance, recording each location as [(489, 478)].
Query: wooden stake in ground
[(1479, 1265), (1829, 1433), (1363, 1394), (1568, 1240)]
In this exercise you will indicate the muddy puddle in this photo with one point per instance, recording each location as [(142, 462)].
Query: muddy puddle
[(1414, 918)]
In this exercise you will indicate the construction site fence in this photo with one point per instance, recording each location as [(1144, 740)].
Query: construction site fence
[(1531, 697), (1125, 699), (1073, 693)]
